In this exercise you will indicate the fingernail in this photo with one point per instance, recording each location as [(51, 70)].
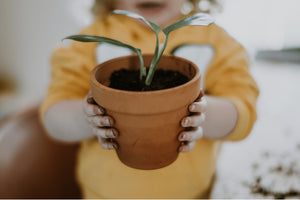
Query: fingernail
[(192, 107), (107, 121), (183, 136), (100, 111), (91, 100), (185, 122), (116, 146), (114, 132)]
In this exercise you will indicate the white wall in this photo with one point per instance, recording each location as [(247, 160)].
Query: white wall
[(262, 24), (30, 30)]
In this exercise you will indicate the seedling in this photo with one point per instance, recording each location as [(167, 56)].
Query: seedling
[(198, 19)]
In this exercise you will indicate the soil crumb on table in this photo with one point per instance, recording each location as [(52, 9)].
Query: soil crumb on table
[(277, 175)]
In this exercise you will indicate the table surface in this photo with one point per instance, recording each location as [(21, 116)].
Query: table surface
[(269, 159)]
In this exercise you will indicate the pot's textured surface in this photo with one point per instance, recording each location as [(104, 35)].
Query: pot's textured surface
[(148, 122)]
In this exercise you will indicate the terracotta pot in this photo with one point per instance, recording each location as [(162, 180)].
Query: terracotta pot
[(148, 122)]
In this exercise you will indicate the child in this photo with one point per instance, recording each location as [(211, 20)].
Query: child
[(227, 113)]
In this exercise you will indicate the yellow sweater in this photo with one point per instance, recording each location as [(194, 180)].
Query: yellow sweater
[(99, 172)]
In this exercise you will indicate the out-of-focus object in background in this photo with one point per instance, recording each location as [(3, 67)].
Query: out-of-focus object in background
[(284, 55), (7, 89), (7, 85), (31, 164)]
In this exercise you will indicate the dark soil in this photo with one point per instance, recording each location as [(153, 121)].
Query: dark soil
[(129, 80)]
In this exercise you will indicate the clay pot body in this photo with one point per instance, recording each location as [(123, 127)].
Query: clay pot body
[(148, 122)]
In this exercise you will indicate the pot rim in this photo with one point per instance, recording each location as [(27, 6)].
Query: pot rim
[(155, 92)]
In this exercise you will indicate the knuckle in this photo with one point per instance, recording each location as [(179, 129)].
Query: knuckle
[(198, 107), (103, 133), (197, 135), (102, 143), (107, 146), (191, 145), (94, 110), (200, 132), (96, 121), (89, 110), (199, 119), (98, 132), (184, 148), (88, 119), (100, 140)]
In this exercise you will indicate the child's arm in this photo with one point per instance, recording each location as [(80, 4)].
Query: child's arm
[(213, 118), (65, 112), (231, 103), (77, 120), (221, 117)]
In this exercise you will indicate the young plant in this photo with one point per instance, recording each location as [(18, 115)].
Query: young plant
[(198, 19)]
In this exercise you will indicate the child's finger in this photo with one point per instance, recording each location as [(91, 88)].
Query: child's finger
[(193, 121), (100, 121), (191, 136), (91, 100), (105, 132), (199, 106), (107, 144), (186, 147), (92, 110), (200, 96)]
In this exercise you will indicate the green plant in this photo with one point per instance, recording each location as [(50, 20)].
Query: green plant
[(199, 19)]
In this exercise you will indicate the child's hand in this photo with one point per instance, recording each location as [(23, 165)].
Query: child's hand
[(101, 124), (193, 124)]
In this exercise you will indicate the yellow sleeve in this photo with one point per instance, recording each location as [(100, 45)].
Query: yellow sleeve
[(229, 77), (70, 71)]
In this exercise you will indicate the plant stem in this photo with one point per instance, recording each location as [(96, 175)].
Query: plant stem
[(155, 61), (155, 53), (142, 67)]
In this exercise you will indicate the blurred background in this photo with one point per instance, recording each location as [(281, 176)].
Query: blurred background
[(269, 30)]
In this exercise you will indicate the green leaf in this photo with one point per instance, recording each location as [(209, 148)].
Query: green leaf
[(155, 27), (91, 38), (198, 19)]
